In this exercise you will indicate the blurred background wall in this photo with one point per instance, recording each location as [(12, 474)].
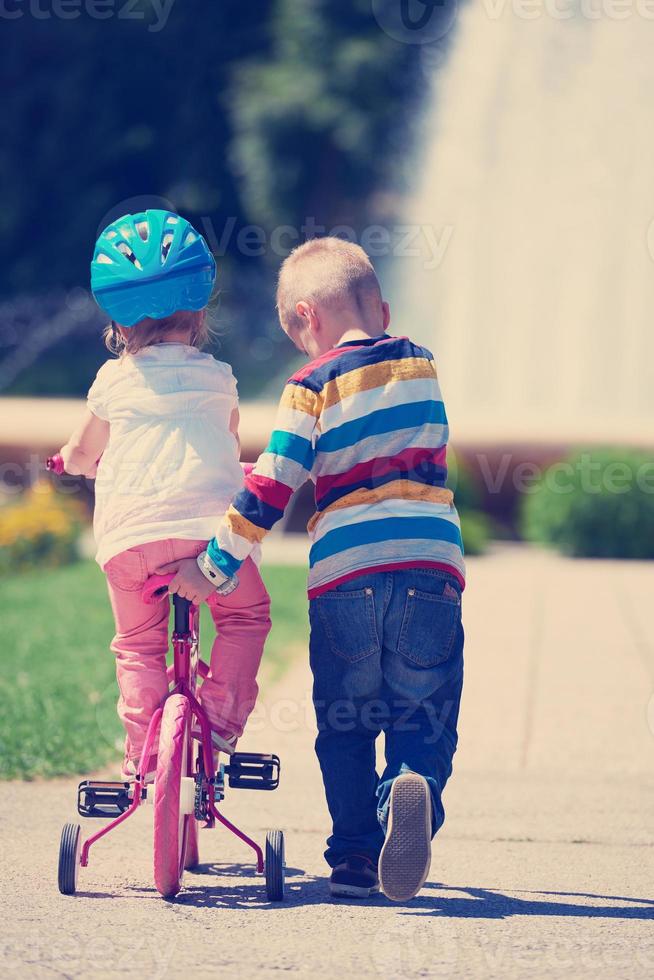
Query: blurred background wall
[(536, 165)]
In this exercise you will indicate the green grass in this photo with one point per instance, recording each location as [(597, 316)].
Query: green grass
[(58, 688)]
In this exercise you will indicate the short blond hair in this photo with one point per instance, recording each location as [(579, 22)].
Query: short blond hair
[(147, 332), (330, 271)]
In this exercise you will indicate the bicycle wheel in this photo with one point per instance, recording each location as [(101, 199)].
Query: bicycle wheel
[(170, 823)]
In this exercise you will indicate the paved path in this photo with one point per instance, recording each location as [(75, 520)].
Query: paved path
[(544, 867)]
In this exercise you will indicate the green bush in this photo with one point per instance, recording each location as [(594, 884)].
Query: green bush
[(42, 528), (475, 525), (463, 483), (598, 503), (476, 531)]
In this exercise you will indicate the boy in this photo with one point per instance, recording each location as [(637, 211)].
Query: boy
[(365, 420)]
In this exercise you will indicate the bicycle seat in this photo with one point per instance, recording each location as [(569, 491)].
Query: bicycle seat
[(156, 588)]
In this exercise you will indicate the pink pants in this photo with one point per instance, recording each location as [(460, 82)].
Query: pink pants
[(242, 619)]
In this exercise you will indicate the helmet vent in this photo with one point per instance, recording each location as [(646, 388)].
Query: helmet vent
[(125, 250), (104, 259), (172, 219), (166, 242), (190, 238), (143, 229)]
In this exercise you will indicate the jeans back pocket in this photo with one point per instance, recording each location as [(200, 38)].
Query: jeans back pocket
[(429, 627), (348, 622)]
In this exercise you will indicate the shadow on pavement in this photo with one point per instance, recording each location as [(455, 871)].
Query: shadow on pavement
[(222, 888), (481, 903), (489, 903)]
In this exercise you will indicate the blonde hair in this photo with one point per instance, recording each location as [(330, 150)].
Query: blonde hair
[(329, 271), (149, 331)]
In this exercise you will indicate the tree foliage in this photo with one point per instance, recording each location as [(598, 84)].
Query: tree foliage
[(235, 113)]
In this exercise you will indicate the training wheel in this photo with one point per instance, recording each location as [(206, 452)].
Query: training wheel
[(192, 856), (69, 858), (274, 865)]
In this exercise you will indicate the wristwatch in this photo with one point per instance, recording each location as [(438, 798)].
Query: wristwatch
[(223, 583)]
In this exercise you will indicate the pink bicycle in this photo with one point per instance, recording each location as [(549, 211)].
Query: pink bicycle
[(187, 787)]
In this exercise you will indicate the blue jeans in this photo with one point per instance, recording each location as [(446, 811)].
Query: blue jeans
[(387, 656)]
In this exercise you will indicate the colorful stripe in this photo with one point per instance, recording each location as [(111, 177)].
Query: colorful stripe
[(370, 557), (402, 529), (256, 510), (220, 556), (295, 422), (431, 476), (301, 399), (240, 525), (367, 422), (375, 376), (278, 469), (380, 446), (412, 462), (406, 416), (350, 357), (291, 446), (403, 392), (306, 373), (269, 491), (394, 490)]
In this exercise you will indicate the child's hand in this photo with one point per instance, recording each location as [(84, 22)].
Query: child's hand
[(189, 582)]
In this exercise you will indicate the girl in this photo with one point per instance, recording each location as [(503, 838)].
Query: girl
[(160, 436)]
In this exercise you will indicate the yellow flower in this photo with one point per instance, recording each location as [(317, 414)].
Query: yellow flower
[(42, 525)]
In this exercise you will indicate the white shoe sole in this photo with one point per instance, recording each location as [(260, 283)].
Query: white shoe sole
[(405, 858), (352, 891)]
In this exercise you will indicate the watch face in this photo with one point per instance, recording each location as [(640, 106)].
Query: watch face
[(227, 587)]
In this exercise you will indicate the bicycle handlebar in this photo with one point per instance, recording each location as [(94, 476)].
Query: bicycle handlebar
[(156, 588), (55, 464)]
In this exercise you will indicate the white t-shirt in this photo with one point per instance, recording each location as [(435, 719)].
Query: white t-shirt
[(171, 466)]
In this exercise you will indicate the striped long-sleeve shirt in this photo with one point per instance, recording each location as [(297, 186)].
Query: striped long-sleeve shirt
[(366, 422)]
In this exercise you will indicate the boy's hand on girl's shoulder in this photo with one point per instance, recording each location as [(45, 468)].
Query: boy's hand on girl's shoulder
[(189, 582)]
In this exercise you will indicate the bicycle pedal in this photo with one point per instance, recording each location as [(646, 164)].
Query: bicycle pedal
[(253, 770), (102, 799)]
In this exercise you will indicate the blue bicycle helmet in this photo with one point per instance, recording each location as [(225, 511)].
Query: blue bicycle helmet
[(151, 265)]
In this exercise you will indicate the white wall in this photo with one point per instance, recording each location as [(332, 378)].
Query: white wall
[(539, 158)]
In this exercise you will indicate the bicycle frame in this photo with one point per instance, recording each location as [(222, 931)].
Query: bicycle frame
[(183, 674)]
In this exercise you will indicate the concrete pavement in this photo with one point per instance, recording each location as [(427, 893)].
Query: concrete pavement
[(543, 868)]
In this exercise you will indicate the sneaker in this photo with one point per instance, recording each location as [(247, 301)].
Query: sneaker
[(354, 877), (222, 743), (406, 855), (130, 768)]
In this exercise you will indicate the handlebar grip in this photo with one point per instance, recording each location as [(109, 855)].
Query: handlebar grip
[(156, 588), (55, 464)]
